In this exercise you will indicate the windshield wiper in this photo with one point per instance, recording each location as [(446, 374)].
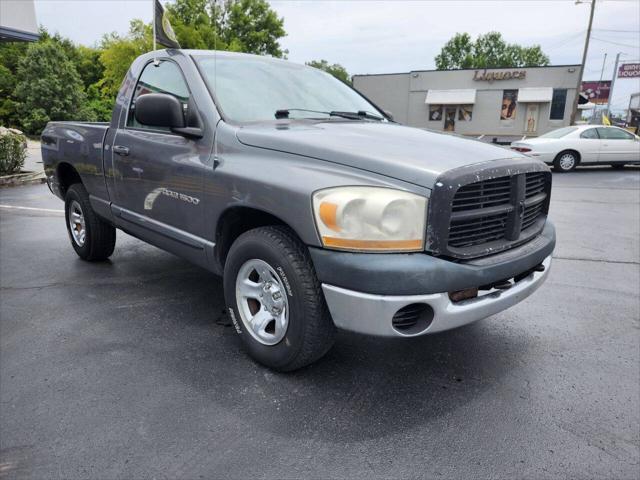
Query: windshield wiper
[(359, 115)]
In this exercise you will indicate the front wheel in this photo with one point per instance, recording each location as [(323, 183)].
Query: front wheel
[(275, 300), (565, 161), (92, 238)]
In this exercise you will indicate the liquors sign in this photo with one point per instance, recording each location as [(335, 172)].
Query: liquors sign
[(484, 76)]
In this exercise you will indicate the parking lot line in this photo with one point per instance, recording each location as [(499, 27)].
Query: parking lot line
[(16, 207)]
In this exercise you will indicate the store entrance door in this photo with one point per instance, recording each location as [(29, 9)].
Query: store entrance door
[(531, 118), (450, 118)]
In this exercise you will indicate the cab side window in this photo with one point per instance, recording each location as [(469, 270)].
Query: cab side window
[(591, 133), (614, 134), (163, 78)]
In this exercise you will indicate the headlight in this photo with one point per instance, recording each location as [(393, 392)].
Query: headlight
[(370, 219)]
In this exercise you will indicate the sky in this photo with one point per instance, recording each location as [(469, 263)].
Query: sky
[(383, 36)]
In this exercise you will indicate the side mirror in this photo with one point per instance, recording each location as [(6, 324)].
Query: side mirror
[(159, 110)]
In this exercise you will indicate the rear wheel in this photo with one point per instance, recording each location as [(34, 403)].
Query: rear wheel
[(565, 161), (275, 300), (92, 238)]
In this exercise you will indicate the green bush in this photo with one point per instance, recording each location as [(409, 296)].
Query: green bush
[(13, 150)]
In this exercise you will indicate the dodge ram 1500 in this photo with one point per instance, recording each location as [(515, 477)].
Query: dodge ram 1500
[(318, 210)]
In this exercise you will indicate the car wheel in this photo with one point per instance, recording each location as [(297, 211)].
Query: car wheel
[(92, 238), (275, 301), (565, 161)]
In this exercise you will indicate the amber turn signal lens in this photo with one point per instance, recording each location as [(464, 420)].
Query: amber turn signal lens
[(377, 245), (328, 215)]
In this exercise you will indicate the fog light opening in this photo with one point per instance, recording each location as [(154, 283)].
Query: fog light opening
[(412, 319)]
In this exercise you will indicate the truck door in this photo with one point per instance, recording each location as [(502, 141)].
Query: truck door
[(158, 174)]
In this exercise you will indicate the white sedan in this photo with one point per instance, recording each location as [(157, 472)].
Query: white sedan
[(568, 147)]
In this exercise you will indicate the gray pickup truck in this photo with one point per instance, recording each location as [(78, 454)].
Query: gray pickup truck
[(316, 208)]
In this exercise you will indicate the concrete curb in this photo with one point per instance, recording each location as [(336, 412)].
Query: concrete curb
[(22, 178)]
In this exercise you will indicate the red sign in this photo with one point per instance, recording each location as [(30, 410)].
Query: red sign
[(629, 70), (596, 92)]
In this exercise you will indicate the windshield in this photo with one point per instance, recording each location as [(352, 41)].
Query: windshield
[(253, 89), (561, 132)]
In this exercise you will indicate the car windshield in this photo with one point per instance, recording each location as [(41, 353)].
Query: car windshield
[(252, 89), (561, 132)]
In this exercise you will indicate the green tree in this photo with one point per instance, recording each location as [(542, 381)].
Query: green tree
[(249, 26), (335, 69), (10, 55), (488, 51), (193, 23), (48, 87), (119, 52), (88, 64)]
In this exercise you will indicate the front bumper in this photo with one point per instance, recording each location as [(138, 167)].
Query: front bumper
[(373, 314), (364, 290)]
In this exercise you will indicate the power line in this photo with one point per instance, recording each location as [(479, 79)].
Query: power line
[(615, 31), (615, 43), (567, 40)]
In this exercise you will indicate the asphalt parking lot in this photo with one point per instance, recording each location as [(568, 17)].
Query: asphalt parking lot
[(123, 369)]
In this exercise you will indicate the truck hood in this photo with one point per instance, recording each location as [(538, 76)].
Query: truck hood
[(408, 154)]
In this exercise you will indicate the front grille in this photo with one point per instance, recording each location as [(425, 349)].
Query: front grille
[(463, 233), (535, 195), (488, 193), (490, 215)]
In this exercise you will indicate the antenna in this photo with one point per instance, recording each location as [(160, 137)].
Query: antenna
[(215, 76)]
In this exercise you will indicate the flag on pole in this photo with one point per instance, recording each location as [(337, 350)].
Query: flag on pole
[(163, 33)]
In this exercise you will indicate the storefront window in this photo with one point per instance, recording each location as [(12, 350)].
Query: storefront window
[(509, 104), (435, 113), (465, 113), (558, 103)]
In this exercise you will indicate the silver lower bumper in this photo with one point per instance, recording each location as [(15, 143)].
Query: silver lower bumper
[(373, 314)]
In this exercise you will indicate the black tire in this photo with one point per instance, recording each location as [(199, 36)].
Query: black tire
[(560, 163), (618, 166), (310, 331), (100, 236)]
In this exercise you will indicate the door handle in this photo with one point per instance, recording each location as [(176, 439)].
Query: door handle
[(120, 150)]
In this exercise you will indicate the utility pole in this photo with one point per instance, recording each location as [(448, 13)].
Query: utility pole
[(584, 59), (613, 82)]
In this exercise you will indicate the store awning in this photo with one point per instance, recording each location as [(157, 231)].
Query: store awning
[(535, 95), (451, 97)]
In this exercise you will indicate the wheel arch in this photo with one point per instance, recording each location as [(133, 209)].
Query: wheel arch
[(235, 221), (67, 175)]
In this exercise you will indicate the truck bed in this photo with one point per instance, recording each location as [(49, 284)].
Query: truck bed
[(76, 143)]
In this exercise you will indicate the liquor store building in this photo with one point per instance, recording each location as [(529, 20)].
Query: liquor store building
[(501, 104)]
